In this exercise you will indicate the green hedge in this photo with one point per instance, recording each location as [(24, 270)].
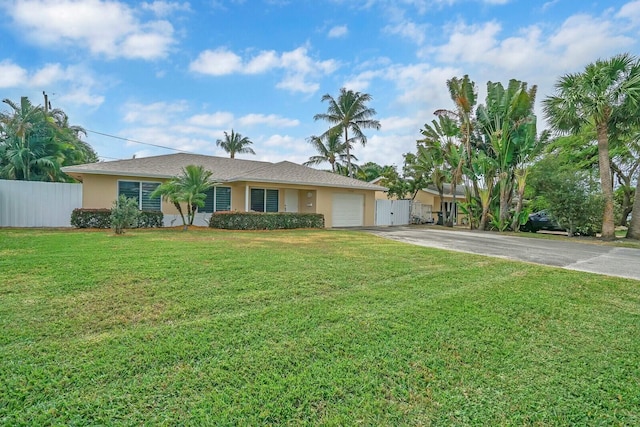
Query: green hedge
[(150, 219), (265, 221), (100, 218), (91, 218)]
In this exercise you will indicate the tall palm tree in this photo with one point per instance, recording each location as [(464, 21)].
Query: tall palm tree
[(594, 96), (235, 143), (333, 151), (441, 141), (349, 113)]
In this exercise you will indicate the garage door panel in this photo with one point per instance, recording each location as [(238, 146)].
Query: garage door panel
[(348, 210)]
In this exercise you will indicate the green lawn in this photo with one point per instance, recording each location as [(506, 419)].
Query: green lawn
[(305, 327)]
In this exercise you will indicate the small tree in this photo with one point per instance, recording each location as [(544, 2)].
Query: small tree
[(124, 214), (188, 188), (569, 194)]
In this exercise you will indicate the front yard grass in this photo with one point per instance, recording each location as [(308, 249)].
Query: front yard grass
[(305, 327)]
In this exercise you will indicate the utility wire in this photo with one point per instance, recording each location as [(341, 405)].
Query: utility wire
[(137, 142)]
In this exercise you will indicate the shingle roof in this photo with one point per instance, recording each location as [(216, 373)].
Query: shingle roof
[(460, 189), (223, 169)]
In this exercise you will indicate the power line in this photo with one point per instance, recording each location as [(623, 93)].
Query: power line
[(138, 142)]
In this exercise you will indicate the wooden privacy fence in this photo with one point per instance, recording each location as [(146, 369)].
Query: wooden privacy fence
[(38, 204)]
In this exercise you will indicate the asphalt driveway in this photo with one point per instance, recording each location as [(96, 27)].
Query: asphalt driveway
[(592, 258)]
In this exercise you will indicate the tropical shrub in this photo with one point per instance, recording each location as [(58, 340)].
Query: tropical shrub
[(124, 214), (265, 221)]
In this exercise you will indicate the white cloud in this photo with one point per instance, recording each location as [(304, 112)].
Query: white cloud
[(298, 66), (583, 38), (361, 82), (264, 62), (81, 96), (338, 31), (469, 43), (226, 120), (221, 119), (157, 113), (396, 123), (147, 45), (271, 120), (217, 62), (107, 28), (387, 149), (165, 8), (72, 84), (630, 11), (164, 137), (409, 30), (11, 75)]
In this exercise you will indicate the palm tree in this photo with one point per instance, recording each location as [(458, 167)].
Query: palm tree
[(334, 151), (595, 96), (18, 128), (235, 143), (189, 188), (441, 139), (349, 113), (170, 192), (36, 143)]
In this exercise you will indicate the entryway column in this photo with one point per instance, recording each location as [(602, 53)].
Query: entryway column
[(246, 198)]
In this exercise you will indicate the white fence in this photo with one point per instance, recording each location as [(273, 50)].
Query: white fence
[(38, 204), (392, 212), (421, 213)]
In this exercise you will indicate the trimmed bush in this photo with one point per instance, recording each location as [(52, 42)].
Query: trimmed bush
[(265, 221), (91, 218), (100, 218), (150, 219)]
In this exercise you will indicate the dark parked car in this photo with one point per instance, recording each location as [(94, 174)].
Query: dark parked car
[(541, 221)]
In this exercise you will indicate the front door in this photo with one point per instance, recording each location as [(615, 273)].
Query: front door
[(291, 200)]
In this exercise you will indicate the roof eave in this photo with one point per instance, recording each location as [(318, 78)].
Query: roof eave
[(311, 183), (71, 170)]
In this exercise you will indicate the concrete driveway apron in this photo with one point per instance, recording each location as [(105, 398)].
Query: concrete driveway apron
[(592, 258)]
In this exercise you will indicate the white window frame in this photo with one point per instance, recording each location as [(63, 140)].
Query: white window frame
[(139, 190), (215, 197), (264, 201)]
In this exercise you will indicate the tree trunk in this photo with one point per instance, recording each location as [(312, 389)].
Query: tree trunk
[(633, 232), (515, 224), (504, 203), (521, 182), (453, 206), (179, 208), (626, 208), (476, 196), (346, 141), (606, 182)]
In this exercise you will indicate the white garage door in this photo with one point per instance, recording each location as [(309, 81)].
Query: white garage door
[(348, 210)]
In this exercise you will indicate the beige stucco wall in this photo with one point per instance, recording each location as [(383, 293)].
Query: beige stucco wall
[(100, 191), (305, 204)]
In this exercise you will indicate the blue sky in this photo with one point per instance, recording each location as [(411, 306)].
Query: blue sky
[(179, 74)]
